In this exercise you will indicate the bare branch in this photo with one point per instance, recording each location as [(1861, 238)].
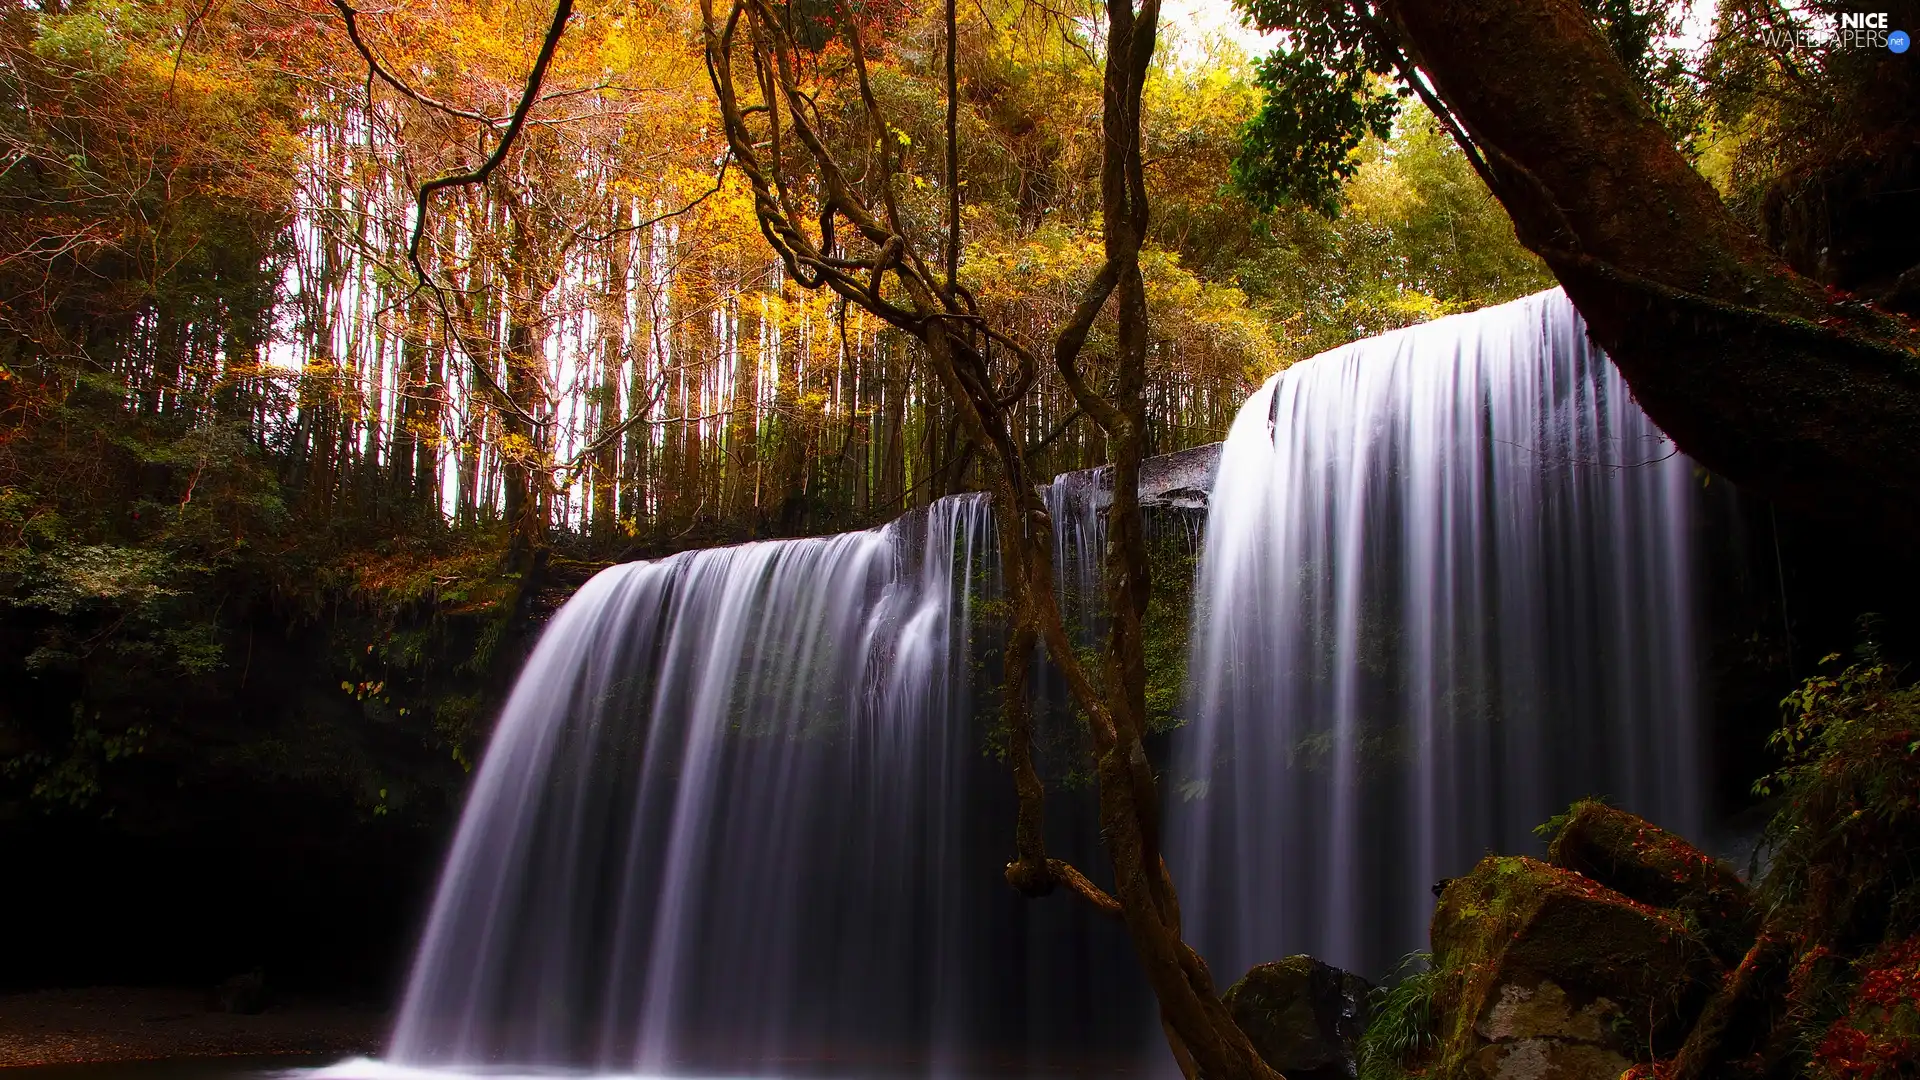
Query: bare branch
[(1078, 884), (351, 18), (719, 182)]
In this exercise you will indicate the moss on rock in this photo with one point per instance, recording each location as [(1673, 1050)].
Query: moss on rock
[(1634, 857), (1303, 1017), (1545, 974)]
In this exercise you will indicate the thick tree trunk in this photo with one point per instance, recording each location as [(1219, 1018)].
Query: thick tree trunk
[(1756, 372)]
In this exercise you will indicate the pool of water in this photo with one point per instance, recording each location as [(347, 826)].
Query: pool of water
[(193, 1068), (333, 1067)]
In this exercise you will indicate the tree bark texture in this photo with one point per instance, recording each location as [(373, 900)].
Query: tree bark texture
[(1787, 389)]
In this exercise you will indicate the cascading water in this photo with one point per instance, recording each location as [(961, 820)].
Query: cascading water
[(737, 814), (741, 810), (1445, 591)]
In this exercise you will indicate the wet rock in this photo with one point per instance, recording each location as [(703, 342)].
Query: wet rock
[(1177, 481), (1639, 859), (1304, 1017), (1548, 975), (1180, 480)]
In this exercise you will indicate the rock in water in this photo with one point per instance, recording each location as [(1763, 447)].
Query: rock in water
[(1635, 857), (1548, 975), (1304, 1017)]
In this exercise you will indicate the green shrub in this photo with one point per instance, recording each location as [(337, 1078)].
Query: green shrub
[(1401, 1026), (1845, 873)]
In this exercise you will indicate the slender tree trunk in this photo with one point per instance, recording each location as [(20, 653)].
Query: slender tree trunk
[(613, 329), (894, 463), (429, 437), (744, 423), (522, 502), (943, 316), (409, 408)]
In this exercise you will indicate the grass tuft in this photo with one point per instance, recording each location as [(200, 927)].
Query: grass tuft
[(1402, 1026)]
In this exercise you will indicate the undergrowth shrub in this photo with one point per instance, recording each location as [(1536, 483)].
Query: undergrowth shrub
[(1401, 1027), (1845, 871)]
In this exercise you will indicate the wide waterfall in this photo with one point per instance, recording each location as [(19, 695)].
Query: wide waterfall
[(1446, 590), (737, 814), (742, 810)]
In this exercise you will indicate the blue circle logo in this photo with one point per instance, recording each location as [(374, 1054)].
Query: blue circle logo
[(1898, 41)]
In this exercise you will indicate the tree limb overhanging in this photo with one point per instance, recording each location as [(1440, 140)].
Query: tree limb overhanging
[(1790, 390)]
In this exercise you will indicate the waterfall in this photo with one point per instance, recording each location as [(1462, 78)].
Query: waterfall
[(738, 813), (743, 809), (1445, 591)]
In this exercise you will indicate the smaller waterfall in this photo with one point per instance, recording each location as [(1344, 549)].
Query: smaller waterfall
[(739, 813), (1446, 590)]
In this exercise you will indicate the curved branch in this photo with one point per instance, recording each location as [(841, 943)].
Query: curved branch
[(1065, 425), (351, 18), (562, 11), (719, 183)]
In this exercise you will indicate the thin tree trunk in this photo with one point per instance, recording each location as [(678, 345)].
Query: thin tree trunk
[(523, 502), (613, 329), (409, 409)]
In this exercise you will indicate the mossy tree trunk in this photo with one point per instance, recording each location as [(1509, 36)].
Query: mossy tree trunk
[(1760, 374)]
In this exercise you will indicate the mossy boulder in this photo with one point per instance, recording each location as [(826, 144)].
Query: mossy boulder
[(1303, 1017), (1639, 859), (1545, 974)]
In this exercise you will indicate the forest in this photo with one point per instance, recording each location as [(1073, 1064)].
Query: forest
[(342, 343)]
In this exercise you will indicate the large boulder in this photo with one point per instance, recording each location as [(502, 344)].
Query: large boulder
[(1303, 1017), (1639, 859), (1544, 974)]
